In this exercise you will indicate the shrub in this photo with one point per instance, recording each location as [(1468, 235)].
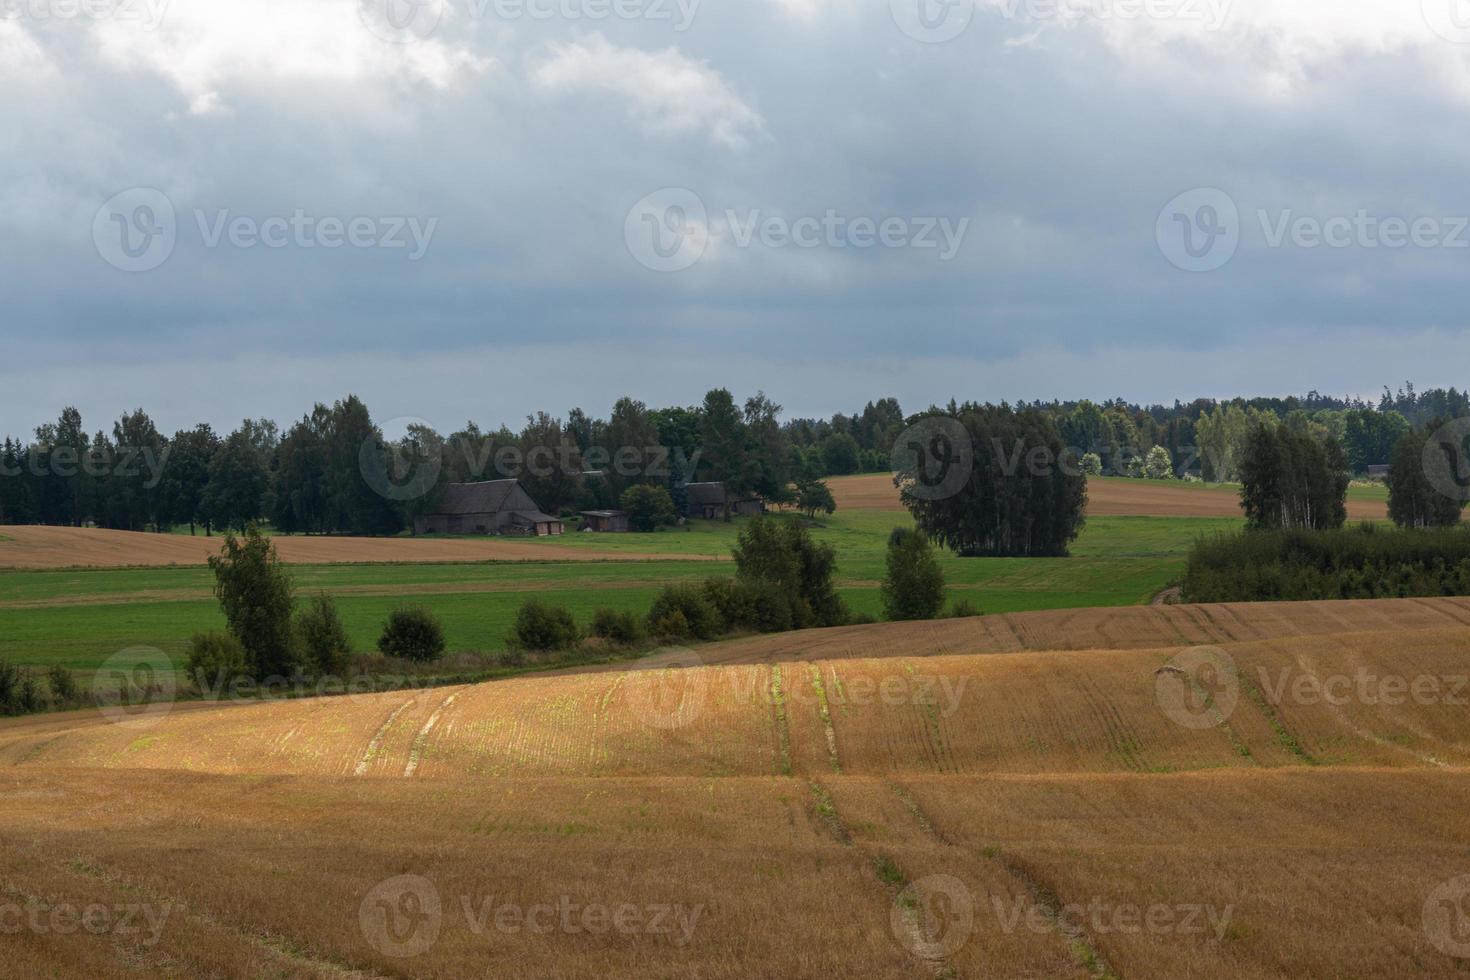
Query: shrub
[(617, 627), (1367, 562), (671, 625), (255, 593), (63, 685), (649, 507), (215, 661), (412, 633), (1159, 465), (322, 637), (759, 606), (782, 554), (543, 626), (20, 693), (683, 612), (913, 587), (964, 609), (1092, 465)]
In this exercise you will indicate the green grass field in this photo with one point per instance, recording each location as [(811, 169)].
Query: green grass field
[(79, 618)]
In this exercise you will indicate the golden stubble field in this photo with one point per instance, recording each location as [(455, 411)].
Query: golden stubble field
[(1105, 498), (1266, 806)]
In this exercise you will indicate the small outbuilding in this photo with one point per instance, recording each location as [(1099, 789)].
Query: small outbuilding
[(708, 501), (493, 507), (605, 521)]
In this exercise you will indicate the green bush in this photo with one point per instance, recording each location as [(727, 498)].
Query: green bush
[(617, 627), (20, 692), (782, 554), (215, 661), (964, 609), (682, 612), (913, 587), (649, 507), (1366, 562), (412, 633), (63, 683), (322, 637), (760, 606), (543, 626)]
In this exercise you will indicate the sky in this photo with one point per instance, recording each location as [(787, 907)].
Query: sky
[(477, 209)]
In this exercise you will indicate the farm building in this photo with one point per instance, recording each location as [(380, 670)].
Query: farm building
[(496, 507), (707, 500), (605, 521)]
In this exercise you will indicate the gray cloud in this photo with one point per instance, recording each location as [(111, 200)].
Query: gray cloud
[(530, 140)]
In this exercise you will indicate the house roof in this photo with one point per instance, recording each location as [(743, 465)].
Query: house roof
[(604, 513), (475, 498), (707, 494), (534, 517)]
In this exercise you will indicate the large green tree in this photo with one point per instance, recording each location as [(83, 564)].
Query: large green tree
[(254, 591), (1292, 479), (1013, 488), (1413, 500)]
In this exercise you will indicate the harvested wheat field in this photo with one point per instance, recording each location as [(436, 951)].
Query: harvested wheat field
[(1123, 627), (1105, 498), (1288, 801), (73, 547)]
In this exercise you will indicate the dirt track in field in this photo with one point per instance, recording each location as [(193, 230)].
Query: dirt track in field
[(72, 547), (1106, 498)]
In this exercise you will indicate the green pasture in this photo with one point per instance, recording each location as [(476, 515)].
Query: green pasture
[(78, 618)]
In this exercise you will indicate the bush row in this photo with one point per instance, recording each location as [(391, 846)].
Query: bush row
[(1367, 562)]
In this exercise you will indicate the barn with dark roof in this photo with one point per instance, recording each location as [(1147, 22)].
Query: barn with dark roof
[(707, 501), (495, 507)]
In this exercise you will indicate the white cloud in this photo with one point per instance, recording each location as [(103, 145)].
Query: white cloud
[(21, 58), (206, 48), (665, 90), (1271, 46)]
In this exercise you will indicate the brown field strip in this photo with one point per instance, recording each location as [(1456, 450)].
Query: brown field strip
[(1020, 712), (1106, 498), (1244, 874), (26, 547), (1122, 627), (1011, 810)]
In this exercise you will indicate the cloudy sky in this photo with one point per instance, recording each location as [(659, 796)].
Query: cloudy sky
[(478, 208)]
